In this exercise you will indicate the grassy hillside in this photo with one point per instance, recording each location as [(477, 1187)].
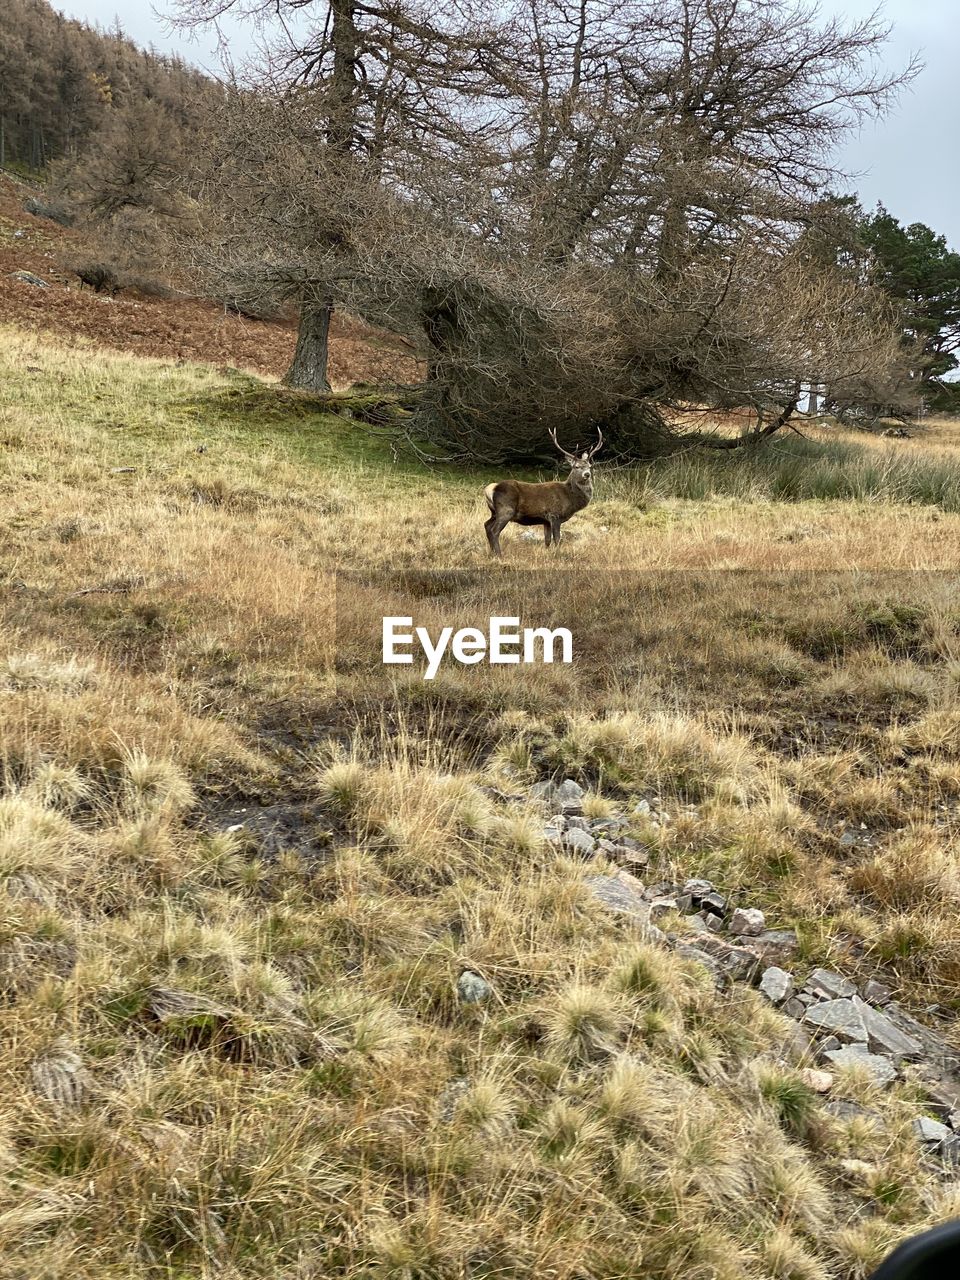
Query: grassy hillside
[(244, 870)]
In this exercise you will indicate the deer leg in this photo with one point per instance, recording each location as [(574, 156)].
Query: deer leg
[(547, 533), (494, 527), (554, 529)]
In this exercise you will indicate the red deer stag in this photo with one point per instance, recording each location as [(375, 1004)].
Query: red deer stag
[(550, 504)]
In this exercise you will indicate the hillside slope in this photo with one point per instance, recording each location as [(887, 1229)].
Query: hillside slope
[(179, 327)]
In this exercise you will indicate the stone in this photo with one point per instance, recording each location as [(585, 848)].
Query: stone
[(794, 1009), (823, 982), (642, 807), (881, 1069), (715, 903), (570, 796), (818, 1081), (684, 902), (950, 1150), (885, 1036), (633, 859), (806, 998), (748, 921), (698, 890), (701, 958), (472, 989), (796, 1046), (623, 894), (941, 1055), (776, 984), (663, 906), (577, 824), (841, 1109), (739, 962), (876, 993), (27, 277), (696, 923), (773, 944), (943, 1099), (928, 1130), (714, 923), (578, 842), (607, 826), (830, 1044), (841, 1017)]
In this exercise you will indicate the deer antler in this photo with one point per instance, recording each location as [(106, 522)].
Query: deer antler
[(570, 457), (596, 447)]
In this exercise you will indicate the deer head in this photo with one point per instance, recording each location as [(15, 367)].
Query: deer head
[(580, 461)]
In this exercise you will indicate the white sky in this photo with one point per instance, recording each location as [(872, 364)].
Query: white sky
[(909, 161)]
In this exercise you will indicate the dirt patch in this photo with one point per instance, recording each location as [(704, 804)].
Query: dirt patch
[(181, 327)]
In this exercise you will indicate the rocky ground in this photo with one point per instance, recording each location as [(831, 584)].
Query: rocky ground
[(839, 1024)]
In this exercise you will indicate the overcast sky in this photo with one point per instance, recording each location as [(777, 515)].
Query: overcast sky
[(908, 161)]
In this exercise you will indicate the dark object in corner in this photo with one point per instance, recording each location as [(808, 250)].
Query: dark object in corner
[(935, 1255)]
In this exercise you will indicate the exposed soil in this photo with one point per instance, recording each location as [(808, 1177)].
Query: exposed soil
[(180, 327)]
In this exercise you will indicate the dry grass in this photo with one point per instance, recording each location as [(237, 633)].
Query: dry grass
[(229, 1058)]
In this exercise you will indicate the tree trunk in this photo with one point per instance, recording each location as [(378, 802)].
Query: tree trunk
[(309, 367), (814, 406)]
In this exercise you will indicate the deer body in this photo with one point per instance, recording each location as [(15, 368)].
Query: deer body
[(550, 505)]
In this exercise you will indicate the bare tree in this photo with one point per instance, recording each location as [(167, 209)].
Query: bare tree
[(375, 77)]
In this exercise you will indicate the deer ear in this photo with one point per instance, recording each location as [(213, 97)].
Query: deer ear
[(584, 457)]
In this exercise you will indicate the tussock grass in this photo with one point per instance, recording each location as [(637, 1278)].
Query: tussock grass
[(227, 1055)]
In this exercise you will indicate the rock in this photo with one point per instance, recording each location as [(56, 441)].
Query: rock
[(714, 923), (27, 277), (748, 921), (853, 1020), (607, 826), (663, 906), (776, 984), (544, 791), (773, 944), (623, 894), (570, 796), (806, 998), (943, 1099), (633, 859), (715, 903), (876, 993), (830, 1044), (552, 833), (885, 1036), (840, 1109), (797, 1047), (578, 842), (829, 985), (697, 923), (739, 962), (880, 1068), (642, 807), (840, 1017), (577, 824), (941, 1055), (950, 1150), (705, 961), (472, 989), (698, 890), (928, 1130), (818, 1081), (794, 1009), (558, 820)]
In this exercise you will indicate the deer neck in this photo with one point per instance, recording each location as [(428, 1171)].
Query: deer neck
[(581, 491)]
